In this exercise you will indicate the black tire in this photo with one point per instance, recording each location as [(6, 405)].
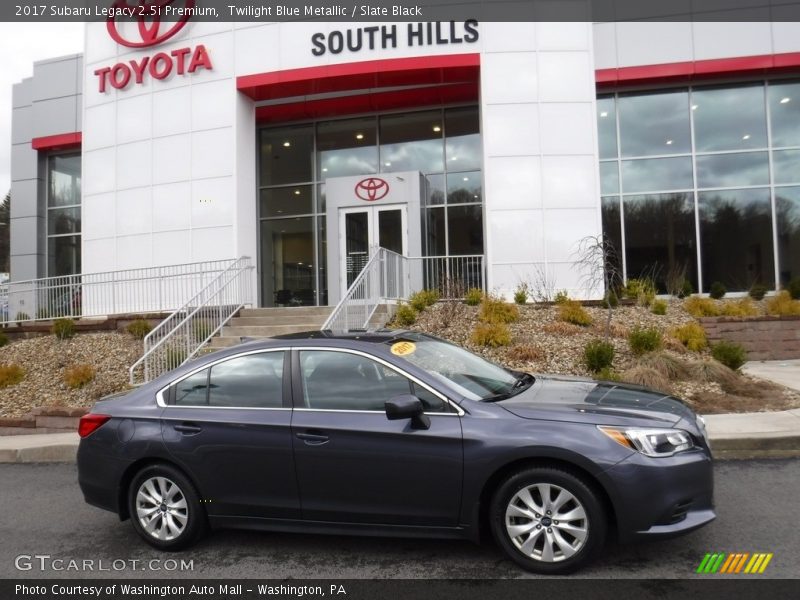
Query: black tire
[(184, 520), (585, 537)]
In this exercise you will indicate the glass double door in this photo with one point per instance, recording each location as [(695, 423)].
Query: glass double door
[(363, 228)]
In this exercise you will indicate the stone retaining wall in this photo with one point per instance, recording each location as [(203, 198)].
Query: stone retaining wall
[(764, 338)]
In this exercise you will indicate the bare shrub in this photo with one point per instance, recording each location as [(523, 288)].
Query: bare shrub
[(671, 367), (647, 377)]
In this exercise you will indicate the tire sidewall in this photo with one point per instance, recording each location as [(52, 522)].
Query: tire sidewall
[(597, 525), (196, 518)]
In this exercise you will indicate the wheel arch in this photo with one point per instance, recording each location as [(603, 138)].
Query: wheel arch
[(500, 474), (131, 471)]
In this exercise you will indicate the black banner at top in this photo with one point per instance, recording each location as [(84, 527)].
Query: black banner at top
[(400, 10)]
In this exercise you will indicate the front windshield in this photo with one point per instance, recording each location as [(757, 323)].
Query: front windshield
[(471, 375)]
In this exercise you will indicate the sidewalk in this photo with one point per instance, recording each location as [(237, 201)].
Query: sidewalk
[(743, 435)]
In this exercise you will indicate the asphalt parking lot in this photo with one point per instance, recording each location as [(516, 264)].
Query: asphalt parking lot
[(44, 514)]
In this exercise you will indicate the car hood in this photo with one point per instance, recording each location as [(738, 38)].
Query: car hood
[(602, 402)]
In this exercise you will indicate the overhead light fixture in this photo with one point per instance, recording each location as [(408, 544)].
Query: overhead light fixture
[(359, 136), (287, 144), (466, 178), (324, 169), (454, 158), (694, 106), (669, 142), (280, 212), (746, 136), (388, 164), (297, 192), (785, 100), (436, 128), (604, 114)]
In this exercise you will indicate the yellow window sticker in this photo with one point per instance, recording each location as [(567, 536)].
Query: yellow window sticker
[(403, 348)]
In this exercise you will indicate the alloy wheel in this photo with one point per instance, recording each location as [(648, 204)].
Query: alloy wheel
[(161, 508)]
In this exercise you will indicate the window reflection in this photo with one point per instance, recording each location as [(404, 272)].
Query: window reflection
[(63, 224), (465, 230), (285, 201), (464, 188), (436, 242), (612, 230), (784, 113), (287, 251), (434, 193), (347, 147), (607, 127), (787, 207), (657, 174), (729, 118), (736, 238), (609, 177), (786, 166), (286, 155), (660, 237), (412, 142), (651, 124), (64, 255), (463, 143), (729, 170)]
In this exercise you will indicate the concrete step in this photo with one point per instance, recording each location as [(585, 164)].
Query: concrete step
[(322, 311), (267, 330), (276, 320)]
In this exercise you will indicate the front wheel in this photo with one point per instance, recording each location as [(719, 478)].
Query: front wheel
[(164, 508), (547, 520)]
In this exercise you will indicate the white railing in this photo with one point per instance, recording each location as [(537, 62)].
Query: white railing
[(451, 276), (384, 278), (133, 291), (179, 337)]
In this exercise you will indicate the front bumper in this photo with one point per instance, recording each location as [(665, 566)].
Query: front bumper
[(662, 497)]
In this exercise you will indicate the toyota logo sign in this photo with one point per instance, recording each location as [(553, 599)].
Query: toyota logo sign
[(149, 30), (372, 189)]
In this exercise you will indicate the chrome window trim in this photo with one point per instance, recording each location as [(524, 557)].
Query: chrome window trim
[(459, 411), (160, 394)]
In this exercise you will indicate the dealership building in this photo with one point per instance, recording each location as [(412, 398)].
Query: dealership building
[(499, 146)]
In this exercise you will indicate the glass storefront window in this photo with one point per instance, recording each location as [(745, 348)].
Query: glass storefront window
[(434, 193), (786, 166), (607, 127), (63, 214), (285, 201), (412, 142), (660, 237), (465, 230), (347, 147), (784, 113), (657, 174), (286, 155), (435, 237), (736, 238), (787, 207), (64, 220), (653, 124), (612, 230), (732, 170), (287, 250), (64, 180), (609, 177), (464, 188), (731, 118), (64, 255), (463, 141)]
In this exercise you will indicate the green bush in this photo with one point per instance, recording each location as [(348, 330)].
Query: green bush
[(607, 374), (598, 355), (22, 316), (561, 297), (423, 299), (687, 289), (717, 290), (793, 287), (3, 339), (491, 334), (729, 354), (692, 335), (63, 329), (521, 293), (571, 311), (11, 375), (758, 291), (405, 316), (139, 328), (473, 297), (641, 290), (645, 339), (494, 310), (610, 300), (659, 307)]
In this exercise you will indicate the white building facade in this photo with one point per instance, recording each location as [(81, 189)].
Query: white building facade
[(301, 144)]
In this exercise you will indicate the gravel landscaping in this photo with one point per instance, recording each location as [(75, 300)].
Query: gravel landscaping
[(46, 360), (541, 343)]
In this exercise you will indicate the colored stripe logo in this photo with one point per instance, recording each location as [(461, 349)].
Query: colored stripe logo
[(735, 563)]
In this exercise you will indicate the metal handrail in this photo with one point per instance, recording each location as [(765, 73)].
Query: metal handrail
[(179, 337), (384, 278)]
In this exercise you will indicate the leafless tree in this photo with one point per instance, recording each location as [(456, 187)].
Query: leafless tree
[(599, 265)]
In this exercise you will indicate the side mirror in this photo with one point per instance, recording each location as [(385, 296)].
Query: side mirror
[(408, 407)]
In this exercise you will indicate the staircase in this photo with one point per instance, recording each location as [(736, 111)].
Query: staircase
[(269, 322)]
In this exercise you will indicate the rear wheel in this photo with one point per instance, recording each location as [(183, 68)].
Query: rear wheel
[(164, 507), (547, 520)]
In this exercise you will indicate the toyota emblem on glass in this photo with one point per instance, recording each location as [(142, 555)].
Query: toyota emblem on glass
[(372, 189)]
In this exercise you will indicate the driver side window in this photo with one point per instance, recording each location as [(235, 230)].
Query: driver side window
[(344, 381)]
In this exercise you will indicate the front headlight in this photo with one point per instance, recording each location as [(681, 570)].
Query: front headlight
[(650, 442)]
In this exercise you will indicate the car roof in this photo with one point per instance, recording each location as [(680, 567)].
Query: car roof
[(375, 336)]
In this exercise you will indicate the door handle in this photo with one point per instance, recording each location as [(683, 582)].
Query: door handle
[(313, 439), (188, 428)]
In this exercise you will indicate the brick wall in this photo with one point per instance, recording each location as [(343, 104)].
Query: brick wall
[(764, 338)]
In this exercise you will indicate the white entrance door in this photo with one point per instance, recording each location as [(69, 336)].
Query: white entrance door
[(364, 227)]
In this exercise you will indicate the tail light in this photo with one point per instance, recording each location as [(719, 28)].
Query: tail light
[(89, 423)]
